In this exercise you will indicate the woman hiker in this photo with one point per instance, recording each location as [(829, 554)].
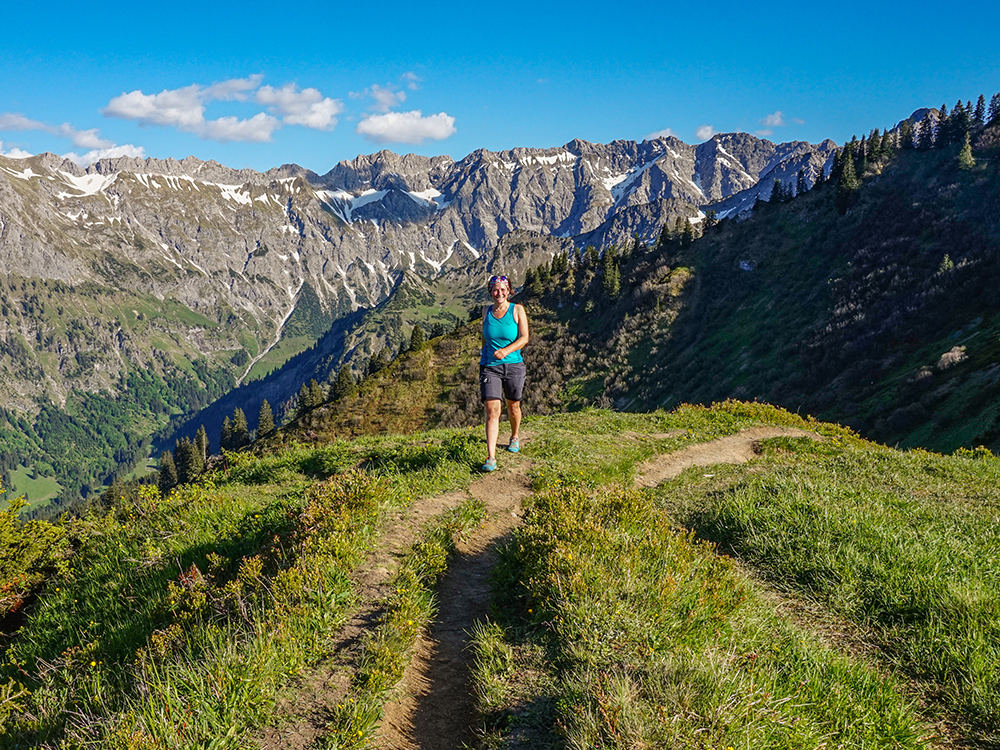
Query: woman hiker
[(501, 366)]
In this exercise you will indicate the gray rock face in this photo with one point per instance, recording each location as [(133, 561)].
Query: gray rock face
[(246, 252)]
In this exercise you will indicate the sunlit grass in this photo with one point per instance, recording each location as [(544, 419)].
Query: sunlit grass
[(654, 640), (179, 619), (905, 544)]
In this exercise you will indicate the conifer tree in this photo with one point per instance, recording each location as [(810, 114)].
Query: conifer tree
[(800, 183), (186, 459), (344, 385), (848, 183), (201, 442), (241, 431), (302, 400), (943, 135), (837, 166), (906, 135), (226, 435), (924, 134), (316, 397), (888, 142), (979, 115), (168, 472), (569, 281), (533, 281), (612, 281), (961, 122), (994, 111), (665, 236), (265, 419), (965, 159), (687, 233), (777, 192), (417, 338), (591, 256)]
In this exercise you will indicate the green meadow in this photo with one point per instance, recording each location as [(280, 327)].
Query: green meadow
[(830, 592)]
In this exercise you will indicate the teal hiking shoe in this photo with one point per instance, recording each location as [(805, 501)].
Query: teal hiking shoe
[(515, 445), (490, 465)]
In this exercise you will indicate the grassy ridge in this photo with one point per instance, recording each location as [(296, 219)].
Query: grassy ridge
[(906, 545), (179, 619), (659, 643), (618, 624)]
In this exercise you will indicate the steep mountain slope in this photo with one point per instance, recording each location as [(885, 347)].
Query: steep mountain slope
[(882, 318), (194, 277)]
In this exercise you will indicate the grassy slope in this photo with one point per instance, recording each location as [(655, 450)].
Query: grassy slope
[(614, 626), (848, 317)]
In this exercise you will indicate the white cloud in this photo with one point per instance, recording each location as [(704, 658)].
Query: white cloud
[(704, 132), (257, 129), (385, 98), (406, 127), (765, 132), (15, 121), (105, 153), (184, 109), (307, 107), (84, 138), (665, 133), (234, 89), (412, 80), (179, 108), (14, 153), (773, 120)]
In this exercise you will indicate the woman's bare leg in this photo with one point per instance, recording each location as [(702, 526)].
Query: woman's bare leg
[(514, 414), (492, 426)]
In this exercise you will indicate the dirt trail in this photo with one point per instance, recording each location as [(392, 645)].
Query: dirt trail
[(735, 449), (436, 708), (317, 694)]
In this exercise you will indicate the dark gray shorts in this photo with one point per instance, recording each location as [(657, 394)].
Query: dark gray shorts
[(505, 379)]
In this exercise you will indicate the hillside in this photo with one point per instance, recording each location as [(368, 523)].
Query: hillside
[(136, 292), (734, 576), (881, 318)]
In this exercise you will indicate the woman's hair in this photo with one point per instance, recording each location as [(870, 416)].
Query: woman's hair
[(500, 280)]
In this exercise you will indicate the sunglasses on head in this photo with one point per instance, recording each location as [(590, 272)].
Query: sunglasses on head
[(494, 280)]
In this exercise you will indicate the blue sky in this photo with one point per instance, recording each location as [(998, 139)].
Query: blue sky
[(260, 85)]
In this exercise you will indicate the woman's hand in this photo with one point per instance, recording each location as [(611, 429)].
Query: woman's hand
[(500, 353)]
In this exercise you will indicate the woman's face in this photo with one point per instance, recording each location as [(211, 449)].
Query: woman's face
[(500, 291)]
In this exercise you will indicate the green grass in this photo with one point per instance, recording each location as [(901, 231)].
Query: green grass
[(405, 612), (906, 545), (179, 619), (621, 618), (37, 490), (651, 639)]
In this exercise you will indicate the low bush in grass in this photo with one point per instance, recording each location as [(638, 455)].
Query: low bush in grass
[(654, 640)]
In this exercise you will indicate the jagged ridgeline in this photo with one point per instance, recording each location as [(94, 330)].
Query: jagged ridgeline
[(197, 278), (865, 298)]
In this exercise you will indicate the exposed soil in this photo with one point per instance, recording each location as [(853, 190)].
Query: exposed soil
[(436, 709), (315, 694), (735, 449)]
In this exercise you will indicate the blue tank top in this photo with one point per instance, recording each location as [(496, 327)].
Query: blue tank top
[(498, 333)]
